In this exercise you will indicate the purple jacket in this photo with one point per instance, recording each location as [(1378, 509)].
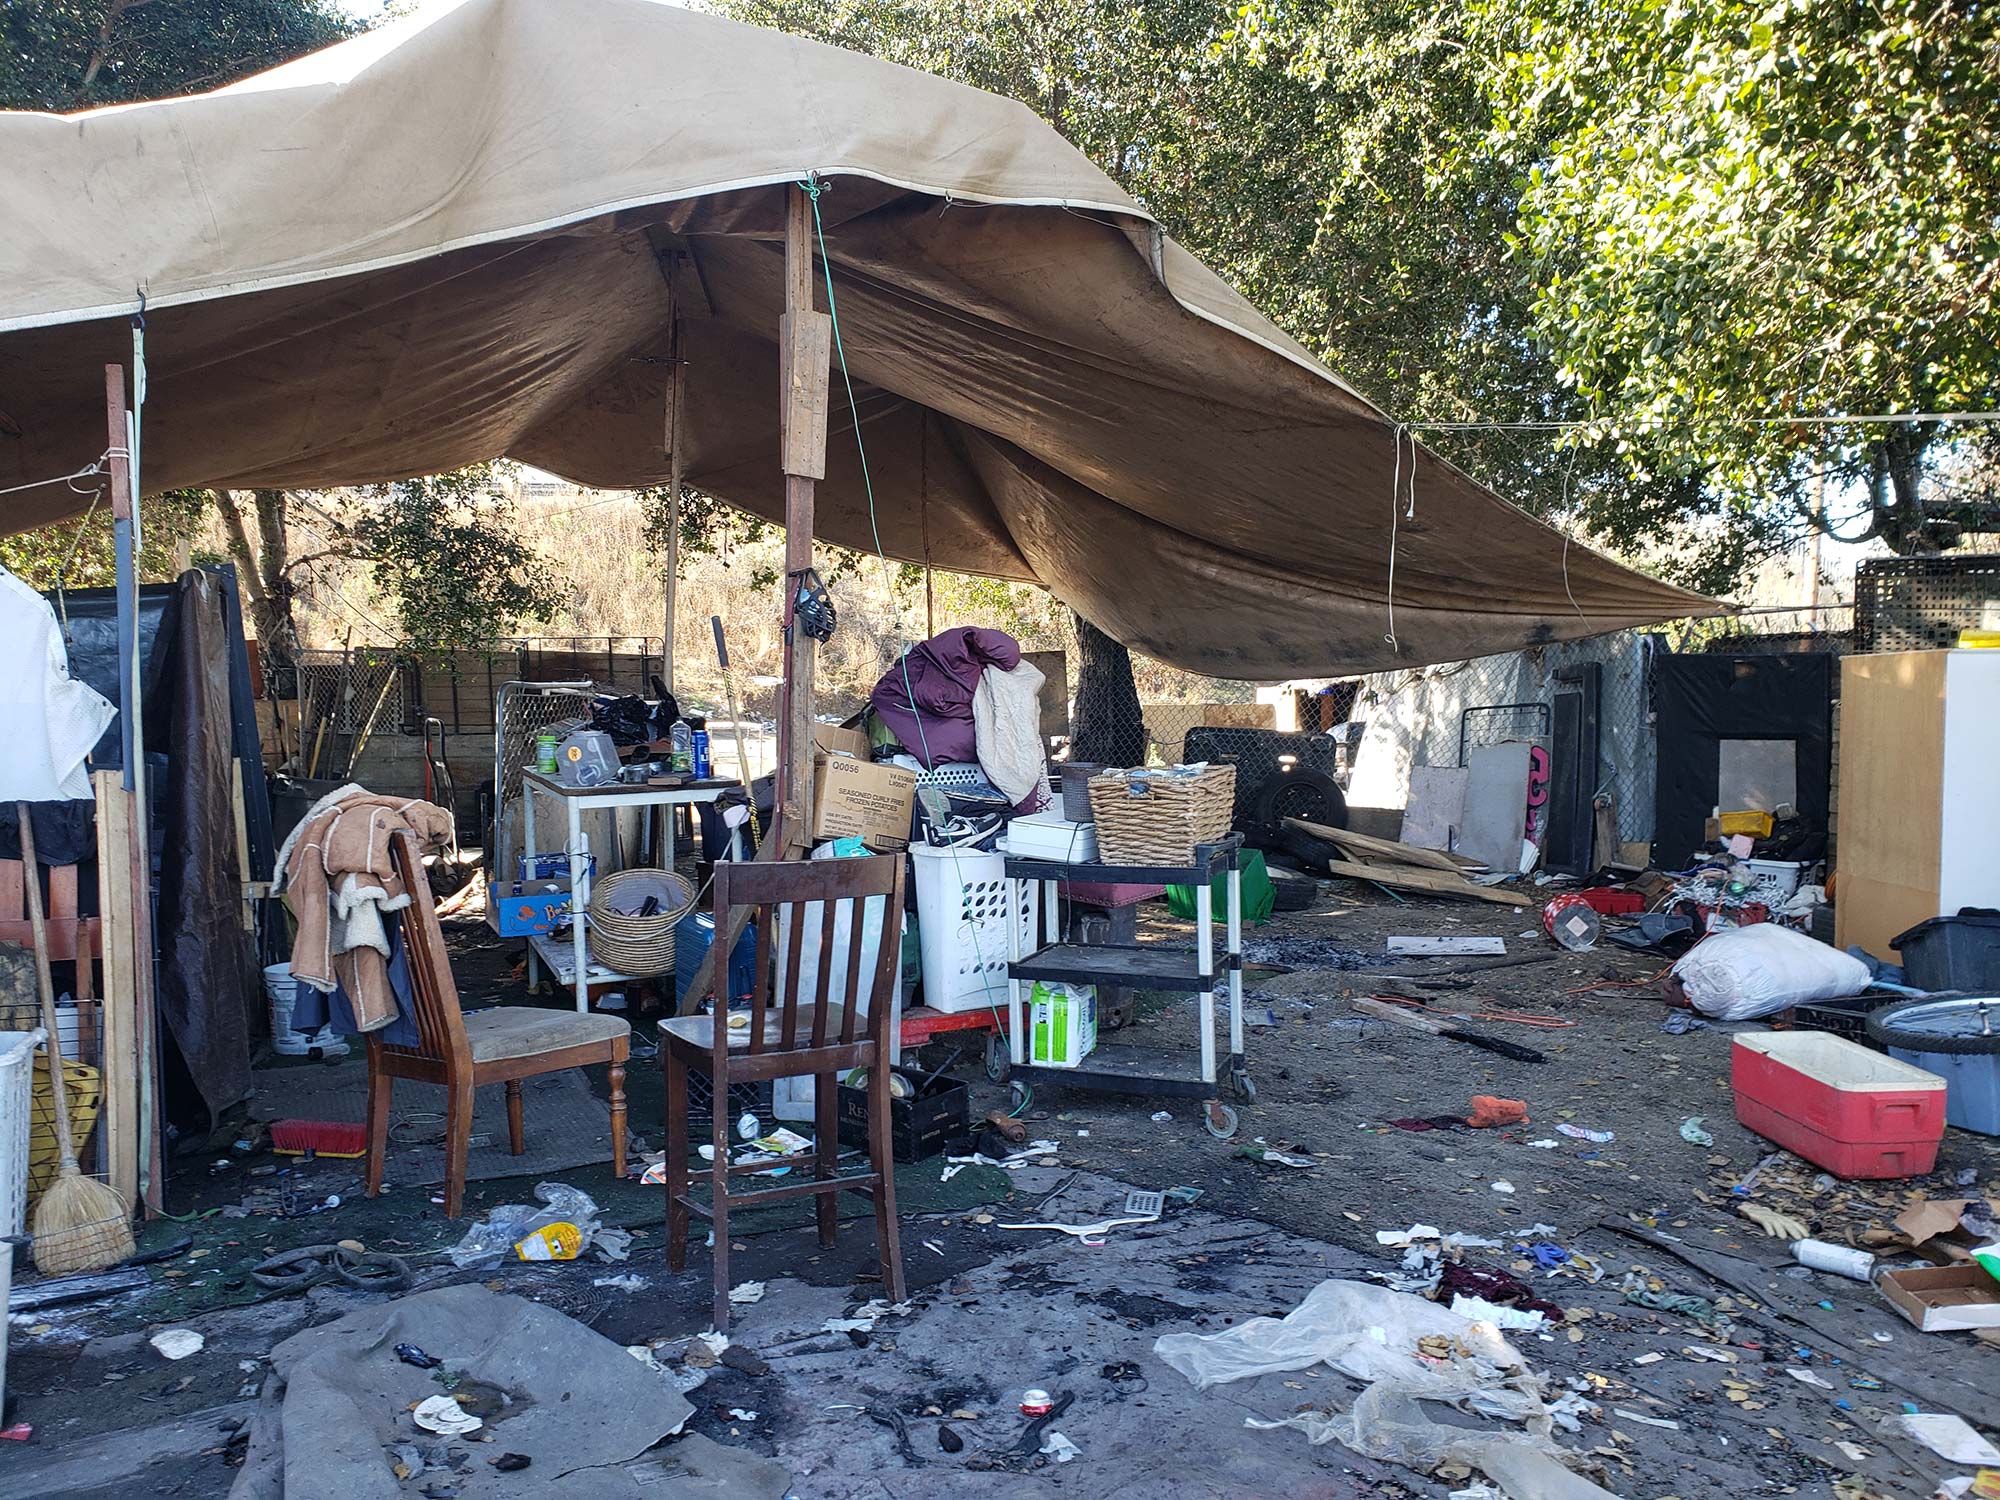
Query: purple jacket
[(942, 671)]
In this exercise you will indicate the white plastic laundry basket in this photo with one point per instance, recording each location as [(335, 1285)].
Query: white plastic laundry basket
[(281, 990), (962, 926), (17, 1052)]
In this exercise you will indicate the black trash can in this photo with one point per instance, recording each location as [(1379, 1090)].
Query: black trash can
[(1954, 953)]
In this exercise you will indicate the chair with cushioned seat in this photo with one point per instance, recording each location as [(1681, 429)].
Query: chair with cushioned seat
[(492, 1046), (807, 1033)]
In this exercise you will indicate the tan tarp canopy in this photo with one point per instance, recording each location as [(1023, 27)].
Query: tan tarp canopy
[(455, 238)]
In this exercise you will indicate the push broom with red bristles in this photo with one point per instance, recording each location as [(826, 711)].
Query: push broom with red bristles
[(319, 1138)]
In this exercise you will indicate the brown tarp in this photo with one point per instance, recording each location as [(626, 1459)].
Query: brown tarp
[(454, 238)]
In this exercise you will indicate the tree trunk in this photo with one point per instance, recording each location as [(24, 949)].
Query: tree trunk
[(1109, 728), (1895, 479), (264, 569)]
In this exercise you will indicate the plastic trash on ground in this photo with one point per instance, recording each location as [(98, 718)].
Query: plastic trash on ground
[(563, 1228), (1747, 972), (1411, 1351)]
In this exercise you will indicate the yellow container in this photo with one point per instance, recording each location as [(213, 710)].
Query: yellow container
[(1757, 824)]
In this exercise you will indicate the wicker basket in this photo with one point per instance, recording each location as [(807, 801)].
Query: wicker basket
[(635, 945), (1158, 819)]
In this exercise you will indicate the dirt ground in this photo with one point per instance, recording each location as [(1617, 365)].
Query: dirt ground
[(1804, 1373)]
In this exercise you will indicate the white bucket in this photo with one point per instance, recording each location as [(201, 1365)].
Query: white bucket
[(17, 1052), (281, 990)]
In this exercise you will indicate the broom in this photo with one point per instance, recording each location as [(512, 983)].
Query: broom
[(80, 1223)]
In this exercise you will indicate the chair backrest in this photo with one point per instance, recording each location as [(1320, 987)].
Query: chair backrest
[(440, 1023), (782, 893)]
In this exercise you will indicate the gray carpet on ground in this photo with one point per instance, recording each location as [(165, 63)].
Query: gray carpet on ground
[(567, 1125)]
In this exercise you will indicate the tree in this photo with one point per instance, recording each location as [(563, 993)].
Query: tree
[(62, 55), (1736, 208)]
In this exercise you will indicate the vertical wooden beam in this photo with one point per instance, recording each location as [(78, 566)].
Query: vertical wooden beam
[(118, 1116)]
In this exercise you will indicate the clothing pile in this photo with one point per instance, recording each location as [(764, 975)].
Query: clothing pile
[(336, 874), (965, 697)]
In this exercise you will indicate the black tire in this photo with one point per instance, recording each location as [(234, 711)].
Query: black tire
[(1312, 796), (1295, 892), (1886, 1029)]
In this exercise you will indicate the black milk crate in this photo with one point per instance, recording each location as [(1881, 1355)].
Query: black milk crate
[(919, 1126)]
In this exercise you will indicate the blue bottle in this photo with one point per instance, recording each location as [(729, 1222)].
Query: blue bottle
[(699, 727)]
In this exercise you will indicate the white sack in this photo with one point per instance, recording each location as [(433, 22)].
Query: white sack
[(1755, 971)]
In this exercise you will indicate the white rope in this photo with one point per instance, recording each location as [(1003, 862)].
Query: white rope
[(94, 467)]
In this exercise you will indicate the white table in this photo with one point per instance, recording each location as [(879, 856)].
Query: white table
[(577, 800)]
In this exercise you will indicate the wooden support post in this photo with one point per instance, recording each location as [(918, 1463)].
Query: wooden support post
[(805, 353), (118, 1116)]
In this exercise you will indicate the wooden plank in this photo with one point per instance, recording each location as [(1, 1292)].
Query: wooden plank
[(242, 843), (795, 744), (805, 343), (1389, 849), (1434, 882), (1446, 947), (118, 1115), (1892, 804)]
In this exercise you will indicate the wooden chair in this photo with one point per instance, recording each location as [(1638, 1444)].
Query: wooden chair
[(789, 1040), (462, 1052)]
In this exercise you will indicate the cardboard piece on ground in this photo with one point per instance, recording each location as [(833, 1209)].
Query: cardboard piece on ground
[(1446, 947), (1436, 806), (859, 799), (1496, 805), (1940, 1299), (1933, 1227)]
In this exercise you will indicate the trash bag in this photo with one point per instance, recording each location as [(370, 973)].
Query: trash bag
[(631, 720), (563, 1228), (1260, 896), (1747, 972)]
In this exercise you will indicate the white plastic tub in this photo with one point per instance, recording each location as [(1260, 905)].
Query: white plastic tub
[(962, 926), (17, 1052), (281, 990)]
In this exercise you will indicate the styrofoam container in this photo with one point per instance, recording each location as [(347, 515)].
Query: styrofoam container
[(1850, 1110), (962, 917), (1047, 836), (17, 1054)]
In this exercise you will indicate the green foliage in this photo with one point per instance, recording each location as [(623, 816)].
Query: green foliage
[(60, 55), (78, 554), (448, 556), (1783, 206)]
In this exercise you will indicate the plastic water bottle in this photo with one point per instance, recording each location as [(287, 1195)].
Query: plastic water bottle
[(681, 739), (698, 733)]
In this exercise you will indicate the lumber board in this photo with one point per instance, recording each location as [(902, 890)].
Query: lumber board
[(1400, 1015), (1432, 882), (1390, 849), (118, 1115)]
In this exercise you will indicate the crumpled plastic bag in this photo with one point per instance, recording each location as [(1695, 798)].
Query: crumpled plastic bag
[(495, 1237), (1747, 972)]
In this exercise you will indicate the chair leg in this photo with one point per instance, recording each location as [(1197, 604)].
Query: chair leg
[(457, 1145), (719, 1188), (617, 1080), (517, 1135), (826, 1148), (380, 1087), (882, 1161), (677, 1159)]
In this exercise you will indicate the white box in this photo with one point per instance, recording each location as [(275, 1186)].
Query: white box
[(1049, 836), (1062, 1023)]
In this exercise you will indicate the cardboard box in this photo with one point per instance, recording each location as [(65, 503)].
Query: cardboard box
[(858, 799), (837, 741), (521, 907), (1940, 1299), (1062, 1022)]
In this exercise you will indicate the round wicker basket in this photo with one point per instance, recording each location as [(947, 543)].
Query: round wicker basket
[(624, 940)]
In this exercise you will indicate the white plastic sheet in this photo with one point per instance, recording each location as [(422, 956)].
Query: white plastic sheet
[(53, 721)]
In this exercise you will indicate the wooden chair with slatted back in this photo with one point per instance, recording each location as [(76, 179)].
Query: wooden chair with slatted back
[(503, 1045), (819, 1035)]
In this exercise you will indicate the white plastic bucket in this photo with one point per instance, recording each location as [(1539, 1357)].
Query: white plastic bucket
[(281, 990), (17, 1052), (962, 925)]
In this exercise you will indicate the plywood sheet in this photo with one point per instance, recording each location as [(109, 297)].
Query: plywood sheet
[(1891, 795), (1496, 805)]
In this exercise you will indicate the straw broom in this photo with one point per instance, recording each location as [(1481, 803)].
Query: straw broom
[(80, 1223)]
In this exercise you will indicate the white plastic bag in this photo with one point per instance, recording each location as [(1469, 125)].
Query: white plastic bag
[(1747, 972)]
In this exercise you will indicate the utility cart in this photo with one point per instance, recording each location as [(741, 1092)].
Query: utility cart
[(1130, 1067)]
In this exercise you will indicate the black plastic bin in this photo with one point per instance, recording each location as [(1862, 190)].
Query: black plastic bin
[(918, 1126), (1953, 953)]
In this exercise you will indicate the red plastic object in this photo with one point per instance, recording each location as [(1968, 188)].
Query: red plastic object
[(1841, 1106), (1609, 903)]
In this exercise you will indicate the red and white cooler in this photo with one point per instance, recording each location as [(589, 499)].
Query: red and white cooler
[(1839, 1105)]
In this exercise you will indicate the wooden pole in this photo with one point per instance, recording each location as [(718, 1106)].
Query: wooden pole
[(805, 352), (676, 393)]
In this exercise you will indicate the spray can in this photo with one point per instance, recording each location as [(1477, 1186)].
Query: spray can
[(698, 728), (1841, 1260)]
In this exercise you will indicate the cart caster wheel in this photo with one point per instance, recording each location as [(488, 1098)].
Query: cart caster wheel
[(999, 1064), (1219, 1120), (1019, 1096)]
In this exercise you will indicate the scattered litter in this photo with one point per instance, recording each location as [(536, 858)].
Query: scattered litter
[(626, 1283), (1162, 1117), (1808, 1377), (1681, 1022), (1579, 1133), (1182, 1194), (1036, 1402), (1490, 1112), (1445, 947), (1693, 1134), (1626, 1414), (740, 1414), (1699, 1308), (1507, 1319), (409, 1354), (1841, 1260), (1271, 1157), (1951, 1438), (1710, 1352), (864, 1318), (1649, 1359), (1543, 1145), (1058, 1447), (747, 1292), (566, 1225), (717, 1342), (1502, 1186), (441, 1414), (1779, 1226), (177, 1343), (934, 1247)]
